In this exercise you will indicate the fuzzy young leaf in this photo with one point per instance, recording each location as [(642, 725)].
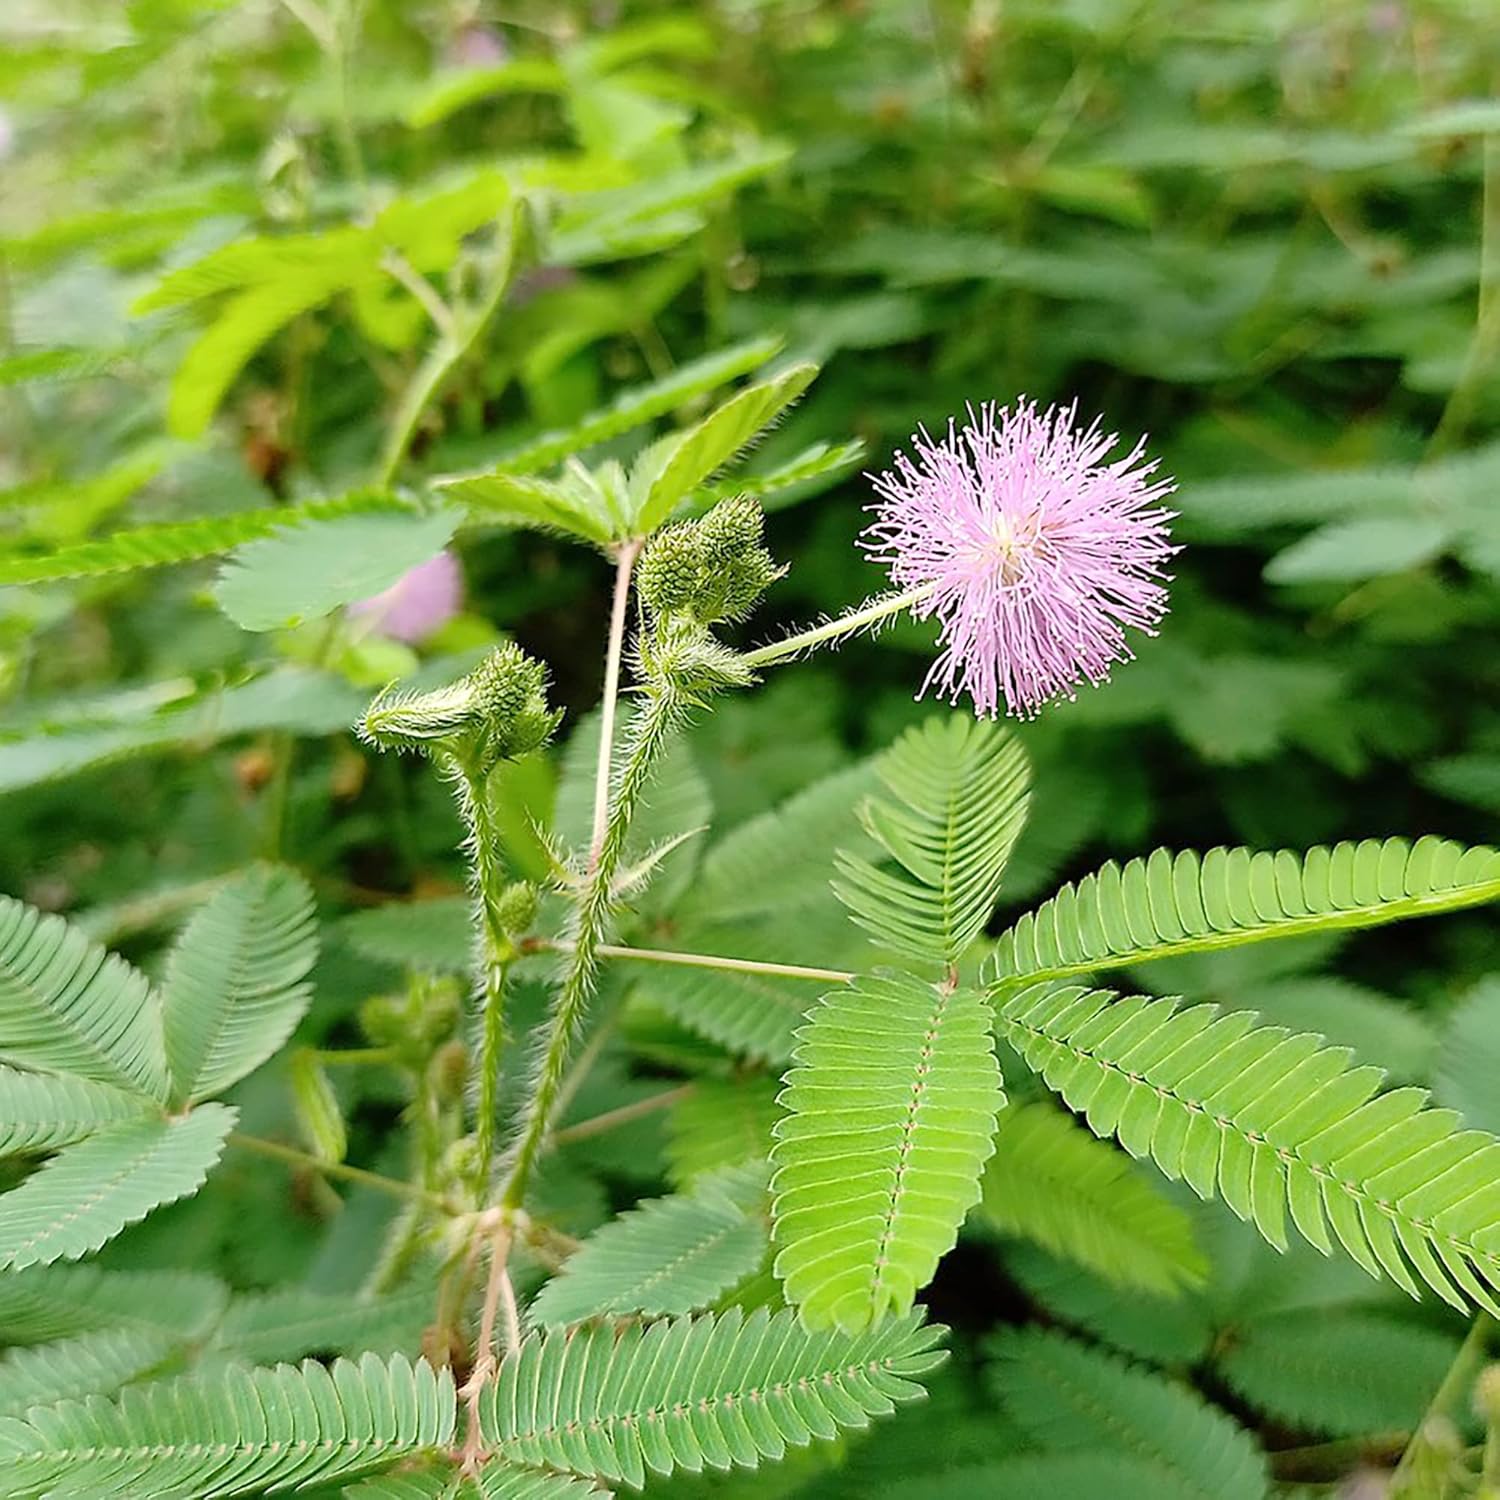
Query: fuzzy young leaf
[(89, 1192), (693, 1393), (1067, 1396), (67, 1005), (1051, 1181), (1276, 1123), (1168, 904), (236, 982), (961, 787), (241, 1433), (892, 1107), (671, 1255)]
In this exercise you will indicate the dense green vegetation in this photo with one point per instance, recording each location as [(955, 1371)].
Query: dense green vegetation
[(296, 295)]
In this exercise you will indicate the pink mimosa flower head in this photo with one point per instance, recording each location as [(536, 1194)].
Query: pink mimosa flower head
[(1034, 549), (421, 601)]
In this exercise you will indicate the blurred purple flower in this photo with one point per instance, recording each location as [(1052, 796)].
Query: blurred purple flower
[(419, 602), (1033, 550), (475, 46)]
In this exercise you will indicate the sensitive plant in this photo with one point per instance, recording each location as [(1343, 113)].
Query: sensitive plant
[(1256, 234), (772, 1301)]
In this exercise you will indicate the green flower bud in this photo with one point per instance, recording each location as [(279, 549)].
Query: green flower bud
[(498, 712), (709, 570), (516, 908)]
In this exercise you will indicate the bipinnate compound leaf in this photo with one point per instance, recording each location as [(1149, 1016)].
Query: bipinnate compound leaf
[(91, 1364), (1278, 1125), (236, 981), (494, 1481), (42, 1111), (669, 1255), (243, 1432), (55, 1302), (723, 1122), (89, 1192), (68, 1006), (638, 405), (711, 1392), (958, 792), (1053, 1182), (161, 543), (1181, 903), (891, 1116), (1344, 1371), (1069, 1397)]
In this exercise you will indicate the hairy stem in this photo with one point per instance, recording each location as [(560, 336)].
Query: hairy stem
[(870, 615), (624, 563), (495, 952), (649, 730)]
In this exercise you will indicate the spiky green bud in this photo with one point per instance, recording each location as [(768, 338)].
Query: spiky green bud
[(516, 909), (709, 570), (498, 712)]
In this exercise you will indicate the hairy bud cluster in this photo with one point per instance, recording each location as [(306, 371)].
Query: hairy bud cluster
[(515, 908), (498, 712), (708, 570)]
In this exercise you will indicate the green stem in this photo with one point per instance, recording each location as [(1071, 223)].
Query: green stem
[(624, 563), (391, 1186), (1454, 1388), (612, 1119), (452, 347), (721, 961), (496, 951), (1484, 343), (836, 630), (649, 731)]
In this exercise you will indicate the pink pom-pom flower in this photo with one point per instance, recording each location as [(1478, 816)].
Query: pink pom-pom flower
[(423, 599), (1035, 550)]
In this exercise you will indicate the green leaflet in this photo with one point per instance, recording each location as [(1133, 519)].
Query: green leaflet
[(1345, 1371), (635, 407), (1067, 1396), (1276, 1123), (90, 1191), (42, 1111), (668, 1255), (960, 788), (682, 462), (1051, 1181), (1166, 904), (891, 1114), (54, 1302), (306, 571), (68, 1006), (309, 1424), (495, 1481), (236, 981), (268, 1327), (92, 1364), (724, 1122), (694, 1393), (156, 545)]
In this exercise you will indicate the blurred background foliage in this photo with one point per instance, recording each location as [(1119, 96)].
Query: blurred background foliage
[(1268, 234)]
